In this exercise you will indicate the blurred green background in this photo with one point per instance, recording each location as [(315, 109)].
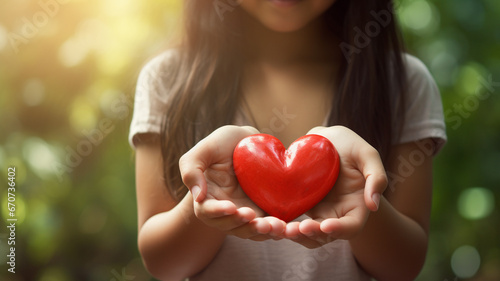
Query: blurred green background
[(67, 78)]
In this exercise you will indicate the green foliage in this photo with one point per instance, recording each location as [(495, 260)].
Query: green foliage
[(67, 78), (460, 46)]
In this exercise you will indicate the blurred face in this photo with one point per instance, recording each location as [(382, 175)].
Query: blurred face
[(285, 15)]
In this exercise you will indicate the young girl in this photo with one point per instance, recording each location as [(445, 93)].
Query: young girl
[(285, 67)]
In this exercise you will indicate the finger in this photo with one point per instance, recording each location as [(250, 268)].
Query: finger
[(375, 186), (192, 169), (277, 226), (230, 222), (226, 223), (344, 227), (247, 213), (196, 161), (366, 158), (292, 230), (309, 227), (212, 208), (262, 226), (312, 229), (217, 146), (372, 168), (258, 227)]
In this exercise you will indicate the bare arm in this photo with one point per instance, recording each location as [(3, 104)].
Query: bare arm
[(393, 243), (173, 243)]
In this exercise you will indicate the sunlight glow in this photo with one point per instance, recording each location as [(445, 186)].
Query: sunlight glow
[(82, 115), (113, 54), (90, 35), (72, 53), (3, 37)]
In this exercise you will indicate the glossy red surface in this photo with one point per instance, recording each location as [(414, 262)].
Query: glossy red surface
[(286, 183)]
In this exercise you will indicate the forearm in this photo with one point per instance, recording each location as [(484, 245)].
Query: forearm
[(175, 244), (392, 246)]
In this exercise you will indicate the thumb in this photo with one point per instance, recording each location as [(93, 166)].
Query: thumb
[(193, 177), (374, 187), (375, 177)]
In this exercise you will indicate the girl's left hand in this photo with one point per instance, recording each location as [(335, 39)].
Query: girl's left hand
[(219, 202), (343, 212)]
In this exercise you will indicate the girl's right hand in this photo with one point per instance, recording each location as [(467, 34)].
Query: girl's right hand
[(207, 171)]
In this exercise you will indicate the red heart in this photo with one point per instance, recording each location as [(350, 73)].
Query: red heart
[(286, 183)]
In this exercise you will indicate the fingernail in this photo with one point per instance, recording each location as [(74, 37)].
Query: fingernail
[(376, 199), (195, 190)]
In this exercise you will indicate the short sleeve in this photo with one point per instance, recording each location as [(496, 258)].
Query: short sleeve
[(151, 96), (424, 116)]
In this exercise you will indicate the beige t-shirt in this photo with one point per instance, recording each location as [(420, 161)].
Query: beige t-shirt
[(242, 260)]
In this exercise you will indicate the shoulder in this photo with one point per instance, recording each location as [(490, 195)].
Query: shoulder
[(424, 116), (157, 76), (417, 72), (154, 85), (160, 65), (421, 87), (162, 60)]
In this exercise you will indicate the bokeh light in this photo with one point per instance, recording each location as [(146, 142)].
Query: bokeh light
[(471, 78), (33, 92), (420, 16), (83, 115), (443, 66), (40, 156), (465, 261), (91, 36), (476, 203)]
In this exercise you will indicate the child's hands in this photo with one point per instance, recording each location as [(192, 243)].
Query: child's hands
[(207, 170), (343, 212), (219, 201)]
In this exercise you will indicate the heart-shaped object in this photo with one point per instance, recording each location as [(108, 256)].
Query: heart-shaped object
[(286, 183)]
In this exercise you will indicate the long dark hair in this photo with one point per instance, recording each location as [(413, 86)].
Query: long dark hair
[(205, 84)]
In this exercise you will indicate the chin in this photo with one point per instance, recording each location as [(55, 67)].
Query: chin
[(286, 15), (284, 26)]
